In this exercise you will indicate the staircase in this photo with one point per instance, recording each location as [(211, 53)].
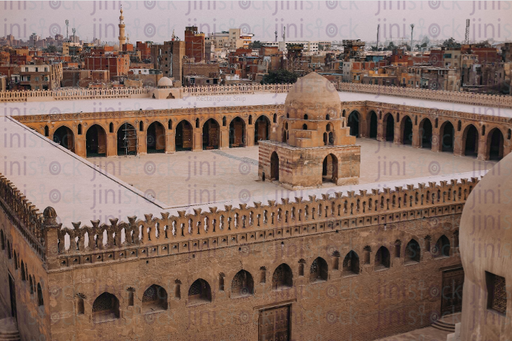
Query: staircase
[(447, 322), (9, 330)]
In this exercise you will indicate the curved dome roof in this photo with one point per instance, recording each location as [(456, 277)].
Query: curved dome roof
[(164, 82), (485, 246), (315, 96)]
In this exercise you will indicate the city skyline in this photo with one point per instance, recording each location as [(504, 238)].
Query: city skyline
[(303, 20)]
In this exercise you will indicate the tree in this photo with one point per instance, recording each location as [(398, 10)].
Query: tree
[(451, 43), (51, 49), (255, 44), (279, 77)]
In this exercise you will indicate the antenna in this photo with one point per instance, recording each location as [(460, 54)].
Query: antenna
[(466, 40), (412, 30), (67, 27), (378, 28)]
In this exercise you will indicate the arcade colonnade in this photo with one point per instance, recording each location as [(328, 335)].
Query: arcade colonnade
[(92, 136), (167, 131), (463, 134)]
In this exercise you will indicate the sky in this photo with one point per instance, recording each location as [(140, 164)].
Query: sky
[(304, 20)]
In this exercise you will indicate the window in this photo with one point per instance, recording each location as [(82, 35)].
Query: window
[(105, 307), (263, 274), (40, 301), (412, 252), (282, 277), (80, 305), (242, 284), (221, 282), (382, 258), (496, 293), (318, 271), (177, 289), (199, 292), (351, 264), (154, 299)]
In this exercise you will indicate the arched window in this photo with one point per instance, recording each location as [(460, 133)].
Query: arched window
[(197, 123), (23, 271), (177, 289), (305, 126), (382, 258), (242, 284), (2, 239), (274, 119), (111, 127), (221, 281), (336, 260), (154, 299), (31, 285), (318, 271), (306, 116), (80, 304), (282, 277), (199, 292), (79, 129), (351, 264), (46, 131), (250, 119), (105, 307), (40, 301), (131, 297), (327, 117), (442, 247), (412, 251), (169, 124), (141, 126), (263, 274), (398, 247), (302, 264), (224, 121), (427, 243)]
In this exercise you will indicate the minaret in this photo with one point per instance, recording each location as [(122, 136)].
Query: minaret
[(122, 37)]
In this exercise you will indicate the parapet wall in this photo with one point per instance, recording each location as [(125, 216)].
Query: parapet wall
[(156, 237), (427, 94), (24, 215)]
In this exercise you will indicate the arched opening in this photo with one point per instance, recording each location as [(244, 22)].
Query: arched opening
[(282, 277), (105, 307), (353, 122), (274, 166), (177, 289), (23, 271), (126, 140), (351, 263), (373, 125), (330, 169), (318, 271), (442, 247), (199, 292), (237, 133), (96, 141), (40, 301), (447, 132), (242, 284), (304, 126), (46, 131), (80, 304), (154, 299), (184, 136), (406, 130), (495, 144), (470, 138), (221, 281), (302, 264), (211, 134), (382, 258), (263, 274), (389, 121), (412, 252), (261, 129), (426, 133), (64, 136), (156, 138)]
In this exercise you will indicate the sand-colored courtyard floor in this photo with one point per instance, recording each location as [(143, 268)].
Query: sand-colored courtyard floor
[(192, 178)]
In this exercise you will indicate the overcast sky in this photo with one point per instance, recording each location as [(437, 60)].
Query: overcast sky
[(304, 20)]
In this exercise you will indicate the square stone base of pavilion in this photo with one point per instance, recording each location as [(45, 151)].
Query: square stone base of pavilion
[(299, 168)]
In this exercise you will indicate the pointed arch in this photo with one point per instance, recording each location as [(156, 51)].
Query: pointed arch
[(64, 136), (199, 292), (237, 133), (261, 129), (105, 307), (282, 277), (412, 252), (389, 124), (354, 123), (96, 141), (155, 138), (447, 134), (351, 263), (154, 299), (242, 284), (184, 136), (382, 258), (406, 130), (442, 247), (495, 144), (126, 140), (211, 134), (426, 133), (470, 140), (319, 270)]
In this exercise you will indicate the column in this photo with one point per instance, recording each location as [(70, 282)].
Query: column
[(437, 143), (80, 147), (224, 138), (483, 150), (170, 142), (416, 136), (111, 144), (249, 136), (142, 146), (197, 144)]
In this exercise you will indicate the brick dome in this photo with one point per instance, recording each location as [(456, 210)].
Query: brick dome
[(313, 95)]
